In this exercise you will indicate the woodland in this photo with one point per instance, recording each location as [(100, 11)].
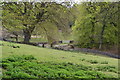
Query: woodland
[(84, 26)]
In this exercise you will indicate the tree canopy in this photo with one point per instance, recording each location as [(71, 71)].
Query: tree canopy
[(27, 16), (96, 24)]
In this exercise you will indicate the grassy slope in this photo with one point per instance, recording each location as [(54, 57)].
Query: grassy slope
[(31, 40), (48, 55)]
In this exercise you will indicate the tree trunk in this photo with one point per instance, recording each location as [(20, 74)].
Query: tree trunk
[(92, 32), (27, 36), (27, 33), (101, 37), (51, 45), (16, 38)]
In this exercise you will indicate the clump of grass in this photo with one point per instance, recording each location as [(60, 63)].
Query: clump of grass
[(104, 62), (90, 61), (16, 58), (93, 61), (82, 59), (1, 44), (11, 45), (107, 68)]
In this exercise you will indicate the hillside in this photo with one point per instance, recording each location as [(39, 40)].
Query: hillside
[(103, 64)]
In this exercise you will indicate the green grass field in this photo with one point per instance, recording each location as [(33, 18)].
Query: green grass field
[(105, 65)]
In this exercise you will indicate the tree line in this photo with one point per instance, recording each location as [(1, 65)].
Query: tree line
[(93, 24), (97, 25)]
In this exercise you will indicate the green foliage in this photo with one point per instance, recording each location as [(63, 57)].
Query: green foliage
[(14, 58), (93, 61), (27, 67), (104, 62), (31, 17), (107, 68), (96, 24), (82, 59)]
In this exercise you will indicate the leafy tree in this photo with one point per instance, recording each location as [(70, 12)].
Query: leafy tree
[(109, 20), (96, 24), (28, 15)]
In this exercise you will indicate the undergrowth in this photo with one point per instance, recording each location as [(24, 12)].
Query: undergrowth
[(28, 67)]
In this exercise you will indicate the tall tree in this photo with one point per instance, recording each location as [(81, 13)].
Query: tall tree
[(29, 14), (97, 24)]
